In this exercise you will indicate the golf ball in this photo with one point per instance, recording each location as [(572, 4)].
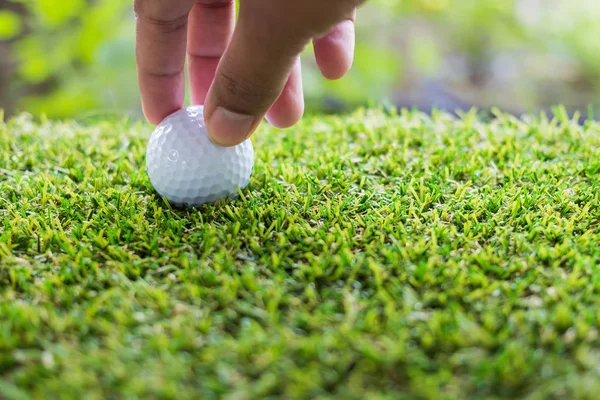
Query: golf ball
[(188, 169)]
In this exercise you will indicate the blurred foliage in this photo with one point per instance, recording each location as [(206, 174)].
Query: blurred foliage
[(10, 25), (73, 57), (77, 56)]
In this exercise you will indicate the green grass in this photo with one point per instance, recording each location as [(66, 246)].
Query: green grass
[(373, 256)]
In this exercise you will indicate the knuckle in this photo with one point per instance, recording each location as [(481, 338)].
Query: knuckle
[(250, 96), (160, 15), (216, 3)]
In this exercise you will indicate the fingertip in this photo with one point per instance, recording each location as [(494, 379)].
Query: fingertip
[(161, 95), (283, 117), (150, 118), (155, 115), (228, 128), (334, 52), (288, 110)]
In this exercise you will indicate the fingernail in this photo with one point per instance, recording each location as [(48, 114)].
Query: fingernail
[(228, 128)]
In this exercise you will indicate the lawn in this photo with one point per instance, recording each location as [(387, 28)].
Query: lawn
[(373, 256)]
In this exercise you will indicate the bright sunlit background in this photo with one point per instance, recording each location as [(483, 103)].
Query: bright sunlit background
[(72, 58)]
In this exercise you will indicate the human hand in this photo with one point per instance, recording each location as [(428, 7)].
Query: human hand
[(241, 73)]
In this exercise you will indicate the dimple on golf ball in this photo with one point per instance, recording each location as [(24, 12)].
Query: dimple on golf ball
[(188, 169)]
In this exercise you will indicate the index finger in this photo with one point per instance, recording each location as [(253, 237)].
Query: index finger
[(161, 37)]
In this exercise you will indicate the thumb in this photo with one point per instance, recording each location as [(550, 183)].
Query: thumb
[(250, 77)]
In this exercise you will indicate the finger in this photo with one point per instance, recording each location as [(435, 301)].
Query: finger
[(335, 51), (289, 107), (251, 76), (210, 28), (160, 56)]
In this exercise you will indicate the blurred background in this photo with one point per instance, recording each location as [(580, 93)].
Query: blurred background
[(75, 58)]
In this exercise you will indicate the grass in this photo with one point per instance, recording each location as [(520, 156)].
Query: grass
[(373, 256)]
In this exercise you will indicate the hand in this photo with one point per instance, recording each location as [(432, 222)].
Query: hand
[(241, 73)]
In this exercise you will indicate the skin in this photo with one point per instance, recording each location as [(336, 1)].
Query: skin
[(241, 72)]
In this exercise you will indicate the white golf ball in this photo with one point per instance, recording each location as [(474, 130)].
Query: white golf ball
[(188, 169)]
